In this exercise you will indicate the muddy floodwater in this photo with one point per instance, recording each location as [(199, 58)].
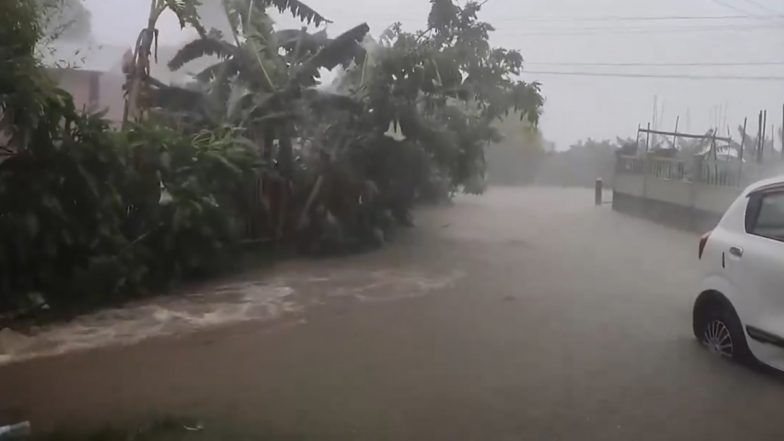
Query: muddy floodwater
[(523, 314), (281, 295)]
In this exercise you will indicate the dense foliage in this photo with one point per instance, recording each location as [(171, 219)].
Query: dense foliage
[(256, 149), (86, 212), (583, 162)]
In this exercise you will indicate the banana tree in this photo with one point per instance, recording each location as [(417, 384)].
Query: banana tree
[(137, 67), (263, 79), (240, 14)]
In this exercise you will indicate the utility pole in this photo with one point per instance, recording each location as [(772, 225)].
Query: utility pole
[(742, 145), (759, 135), (743, 139), (661, 113), (764, 135), (653, 118), (675, 136), (637, 140)]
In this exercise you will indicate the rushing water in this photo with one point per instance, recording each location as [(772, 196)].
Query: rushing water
[(270, 298)]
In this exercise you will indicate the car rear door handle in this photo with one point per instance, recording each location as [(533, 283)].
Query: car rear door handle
[(736, 251)]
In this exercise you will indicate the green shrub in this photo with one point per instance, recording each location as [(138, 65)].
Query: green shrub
[(87, 214)]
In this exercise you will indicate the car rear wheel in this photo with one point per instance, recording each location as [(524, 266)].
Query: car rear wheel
[(720, 330)]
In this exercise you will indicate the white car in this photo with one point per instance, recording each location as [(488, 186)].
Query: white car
[(739, 312)]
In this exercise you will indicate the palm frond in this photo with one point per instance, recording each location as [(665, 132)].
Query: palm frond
[(248, 18), (209, 72), (341, 50), (221, 80), (187, 13), (291, 39), (177, 98), (298, 10), (196, 49)]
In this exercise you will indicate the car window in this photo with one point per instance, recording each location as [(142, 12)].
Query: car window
[(770, 220)]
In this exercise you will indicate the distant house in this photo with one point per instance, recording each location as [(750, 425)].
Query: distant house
[(93, 74)]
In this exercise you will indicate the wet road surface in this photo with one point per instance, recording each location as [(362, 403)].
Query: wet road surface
[(523, 314)]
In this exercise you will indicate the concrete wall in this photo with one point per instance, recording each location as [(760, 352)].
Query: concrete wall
[(112, 99), (77, 83), (663, 190), (684, 204), (632, 185), (108, 95)]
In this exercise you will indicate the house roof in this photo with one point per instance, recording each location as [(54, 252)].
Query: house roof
[(83, 56)]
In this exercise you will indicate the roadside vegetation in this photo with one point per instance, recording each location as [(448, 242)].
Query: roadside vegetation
[(256, 153), (524, 157)]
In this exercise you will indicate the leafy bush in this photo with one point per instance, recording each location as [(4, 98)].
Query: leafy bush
[(86, 213), (61, 201), (189, 200)]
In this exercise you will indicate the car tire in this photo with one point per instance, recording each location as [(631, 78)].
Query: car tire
[(721, 331)]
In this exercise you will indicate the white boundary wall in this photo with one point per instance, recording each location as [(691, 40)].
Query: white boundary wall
[(704, 197)]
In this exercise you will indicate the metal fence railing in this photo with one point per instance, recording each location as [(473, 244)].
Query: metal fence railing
[(721, 173), (666, 168), (629, 165), (729, 173)]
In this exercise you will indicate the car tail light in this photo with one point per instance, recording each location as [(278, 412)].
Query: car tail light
[(703, 242)]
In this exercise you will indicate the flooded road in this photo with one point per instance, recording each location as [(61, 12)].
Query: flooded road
[(523, 314)]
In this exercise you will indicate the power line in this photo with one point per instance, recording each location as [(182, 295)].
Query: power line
[(730, 6), (630, 64), (762, 6), (608, 18), (614, 18), (659, 76), (641, 30)]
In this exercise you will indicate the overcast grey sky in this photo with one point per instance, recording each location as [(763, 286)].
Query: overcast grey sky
[(567, 31)]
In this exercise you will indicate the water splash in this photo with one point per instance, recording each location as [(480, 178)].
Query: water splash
[(288, 294), (164, 316)]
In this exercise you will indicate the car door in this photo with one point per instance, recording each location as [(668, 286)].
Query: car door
[(758, 264)]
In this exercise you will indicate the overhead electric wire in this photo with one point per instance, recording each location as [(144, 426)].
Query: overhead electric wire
[(614, 18), (645, 64), (762, 6), (731, 6), (657, 76), (640, 30)]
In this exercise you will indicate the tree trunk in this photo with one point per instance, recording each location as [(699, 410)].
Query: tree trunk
[(286, 153), (285, 166), (141, 64)]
